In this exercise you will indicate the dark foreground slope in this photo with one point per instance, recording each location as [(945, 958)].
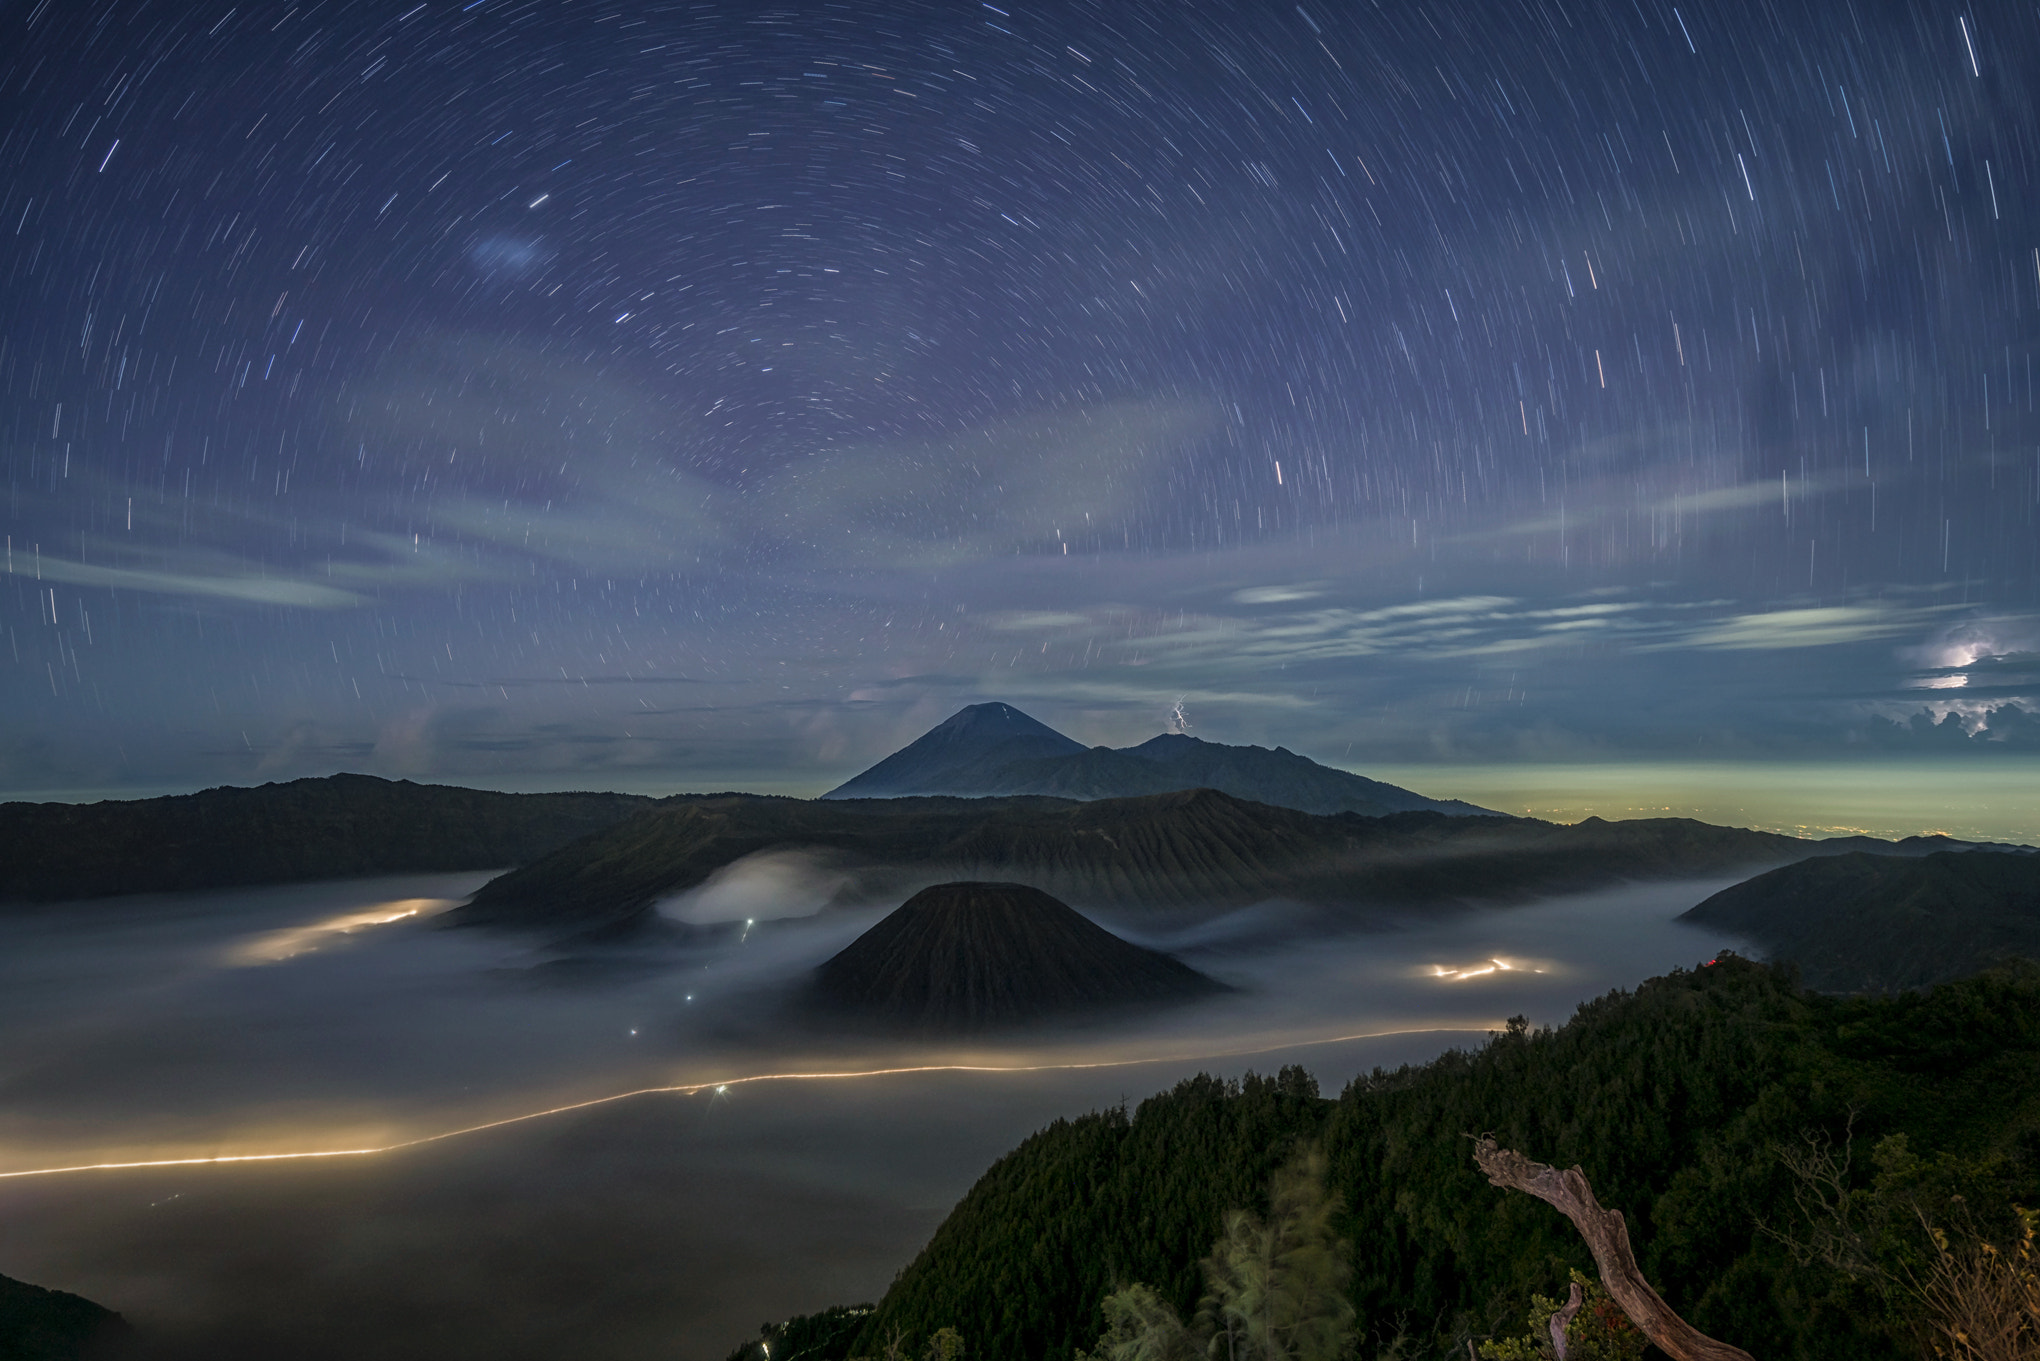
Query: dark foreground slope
[(965, 957), (53, 1325), (337, 827), (1875, 923), (1678, 1100), (1195, 848), (995, 751)]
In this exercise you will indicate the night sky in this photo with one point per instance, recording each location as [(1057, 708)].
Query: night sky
[(681, 395)]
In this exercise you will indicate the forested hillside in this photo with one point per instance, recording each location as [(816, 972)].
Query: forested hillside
[(339, 826), (1686, 1101), (1879, 923)]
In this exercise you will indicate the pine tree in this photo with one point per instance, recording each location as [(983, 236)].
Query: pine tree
[(1276, 1288), (1140, 1326)]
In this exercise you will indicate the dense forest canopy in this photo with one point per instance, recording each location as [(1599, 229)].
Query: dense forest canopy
[(1699, 1104)]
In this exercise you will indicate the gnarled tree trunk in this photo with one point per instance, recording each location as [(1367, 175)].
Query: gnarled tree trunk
[(1608, 1239)]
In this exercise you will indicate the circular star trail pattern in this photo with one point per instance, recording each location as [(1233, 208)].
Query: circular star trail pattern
[(553, 392)]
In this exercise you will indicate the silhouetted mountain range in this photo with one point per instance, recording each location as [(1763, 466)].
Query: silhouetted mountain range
[(1879, 923), (601, 860), (1189, 849), (55, 1325), (341, 826), (994, 750), (965, 957)]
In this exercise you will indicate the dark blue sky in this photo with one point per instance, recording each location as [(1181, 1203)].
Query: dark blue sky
[(584, 394)]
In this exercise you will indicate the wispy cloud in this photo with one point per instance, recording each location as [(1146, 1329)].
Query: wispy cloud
[(1773, 630), (1023, 621), (1275, 595), (246, 583), (1477, 629), (1060, 477)]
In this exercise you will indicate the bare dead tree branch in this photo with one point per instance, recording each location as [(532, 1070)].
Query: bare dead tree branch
[(1607, 1238), (1562, 1320)]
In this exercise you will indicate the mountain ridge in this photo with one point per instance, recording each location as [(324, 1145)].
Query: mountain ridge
[(993, 750), (1188, 849), (1868, 922), (328, 827), (40, 1324)]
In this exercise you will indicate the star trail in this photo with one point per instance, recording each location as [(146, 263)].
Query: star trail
[(542, 393)]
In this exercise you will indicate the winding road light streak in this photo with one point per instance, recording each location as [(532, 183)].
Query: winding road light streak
[(720, 1087)]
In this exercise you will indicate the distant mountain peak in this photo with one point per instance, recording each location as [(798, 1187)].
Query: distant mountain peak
[(994, 750), (960, 754), (994, 719), (1172, 741)]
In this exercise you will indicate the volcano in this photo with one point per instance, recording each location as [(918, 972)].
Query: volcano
[(995, 751), (966, 957), (964, 754)]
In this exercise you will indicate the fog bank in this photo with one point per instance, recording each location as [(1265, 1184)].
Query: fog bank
[(343, 1016)]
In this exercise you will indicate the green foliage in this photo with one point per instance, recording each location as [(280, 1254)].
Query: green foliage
[(1684, 1101), (1678, 1101), (1140, 1327), (1600, 1331), (1879, 923), (1923, 1239), (1277, 1286), (1089, 1204)]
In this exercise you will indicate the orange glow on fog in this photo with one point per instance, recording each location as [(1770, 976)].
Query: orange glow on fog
[(273, 946), (718, 1086), (1486, 968)]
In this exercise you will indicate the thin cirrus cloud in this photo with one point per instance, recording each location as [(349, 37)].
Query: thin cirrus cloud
[(1074, 476), (1466, 628), (329, 568), (626, 509), (587, 471), (205, 575), (622, 525), (543, 460), (1823, 626)]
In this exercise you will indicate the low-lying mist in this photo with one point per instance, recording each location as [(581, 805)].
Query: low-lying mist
[(341, 1017)]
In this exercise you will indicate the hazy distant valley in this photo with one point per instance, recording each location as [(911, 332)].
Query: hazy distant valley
[(668, 665), (217, 1024), (600, 1084)]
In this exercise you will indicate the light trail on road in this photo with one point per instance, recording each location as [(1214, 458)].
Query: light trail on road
[(722, 1085)]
